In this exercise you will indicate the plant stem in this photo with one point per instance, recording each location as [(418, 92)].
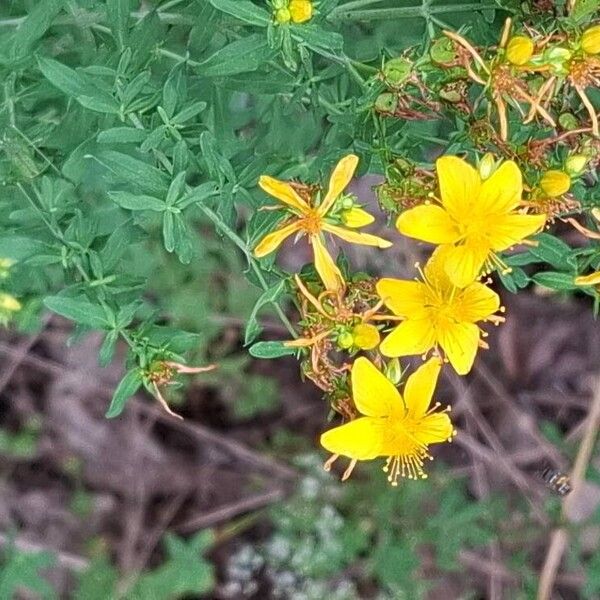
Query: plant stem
[(407, 12), (235, 238)]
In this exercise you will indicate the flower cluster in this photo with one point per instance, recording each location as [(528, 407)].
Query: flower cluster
[(471, 215)]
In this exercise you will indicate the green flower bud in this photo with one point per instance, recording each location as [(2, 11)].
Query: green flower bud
[(576, 164), (442, 51), (487, 165), (393, 371), (283, 15), (397, 71), (568, 121), (345, 340), (386, 102)]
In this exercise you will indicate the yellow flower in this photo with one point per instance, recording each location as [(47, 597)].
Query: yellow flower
[(519, 50), (475, 218), (392, 426), (590, 40), (315, 220), (365, 336), (301, 10), (591, 279), (9, 303), (555, 183), (437, 315)]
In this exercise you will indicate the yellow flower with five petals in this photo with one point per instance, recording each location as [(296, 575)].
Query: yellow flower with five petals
[(438, 315), (314, 219), (475, 218), (398, 427)]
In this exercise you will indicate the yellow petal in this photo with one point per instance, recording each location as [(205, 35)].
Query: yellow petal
[(434, 429), (340, 178), (373, 393), (507, 230), (410, 337), (428, 222), (366, 336), (476, 303), (325, 265), (273, 240), (355, 237), (459, 342), (420, 386), (404, 298), (459, 186), (361, 439), (435, 272), (591, 279), (284, 192), (357, 217), (502, 192), (464, 263)]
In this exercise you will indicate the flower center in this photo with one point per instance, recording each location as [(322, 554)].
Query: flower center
[(311, 222)]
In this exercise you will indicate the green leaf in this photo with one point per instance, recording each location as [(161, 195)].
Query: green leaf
[(77, 86), (271, 350), (121, 135), (318, 39), (38, 21), (135, 202), (244, 10), (245, 54), (117, 13), (269, 296), (128, 386), (168, 231), (185, 572), (555, 280), (21, 571), (79, 310), (133, 171), (552, 250), (107, 350)]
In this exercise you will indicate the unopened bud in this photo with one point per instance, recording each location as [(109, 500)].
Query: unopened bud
[(568, 121), (301, 10), (576, 164), (555, 183), (366, 336), (397, 70), (345, 340), (487, 166), (393, 371), (386, 102), (283, 15), (590, 40), (519, 50), (9, 303)]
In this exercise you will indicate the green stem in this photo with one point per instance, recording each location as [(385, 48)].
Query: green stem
[(342, 14), (235, 238), (178, 57)]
